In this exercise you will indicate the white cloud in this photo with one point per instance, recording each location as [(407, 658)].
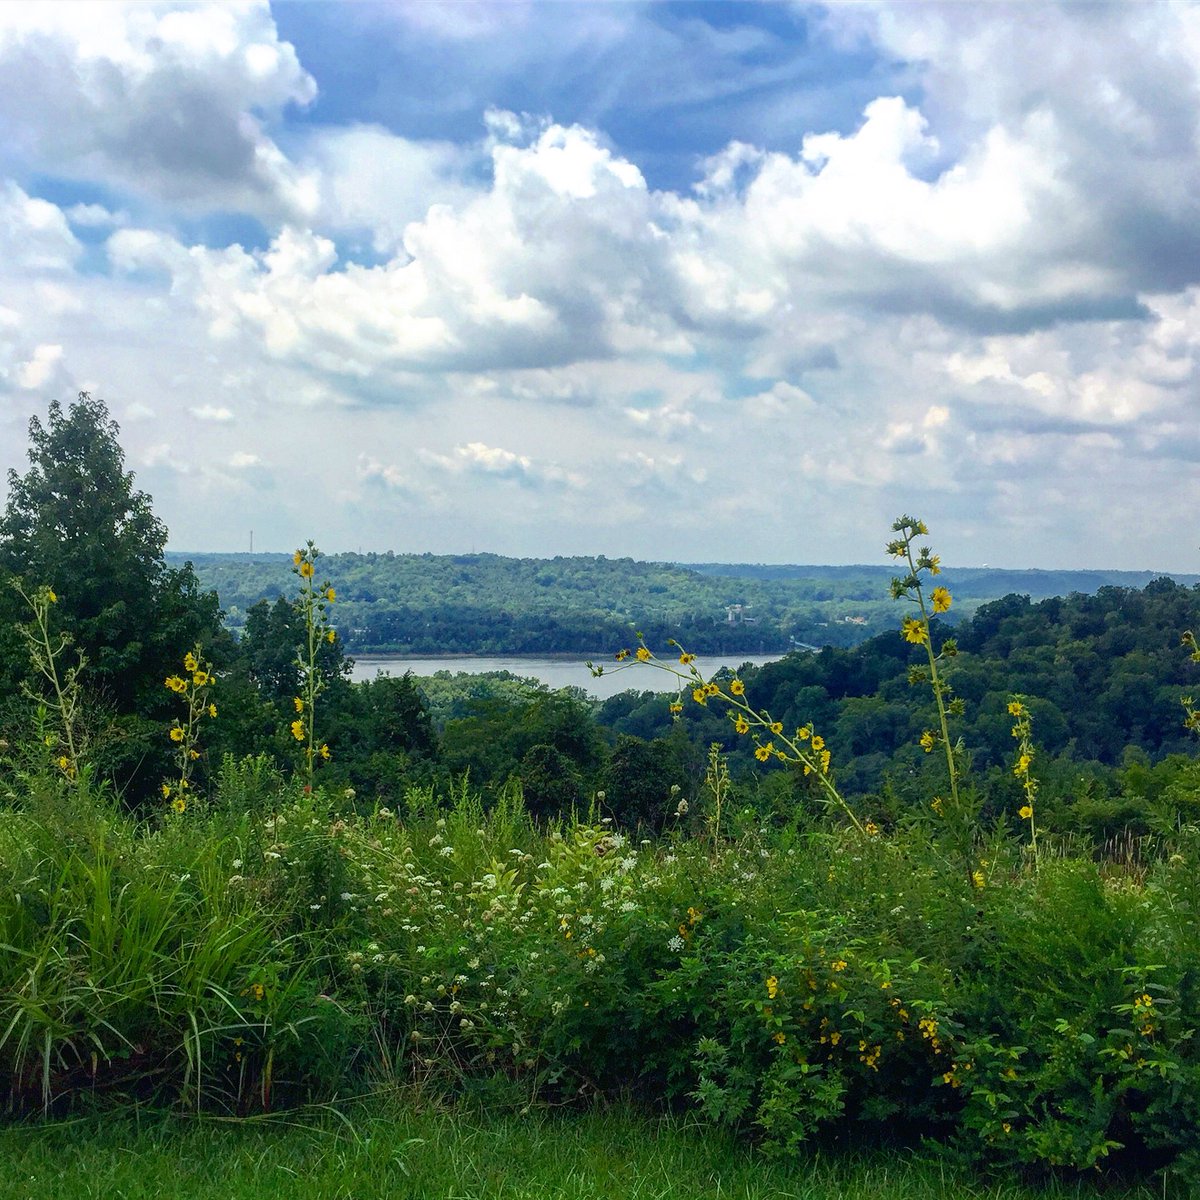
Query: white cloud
[(375, 182), (478, 459), (212, 412), (168, 100), (34, 234), (41, 368)]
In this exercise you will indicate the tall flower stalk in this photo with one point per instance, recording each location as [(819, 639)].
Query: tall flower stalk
[(314, 602), (1022, 730), (45, 654), (911, 587), (194, 688), (921, 565)]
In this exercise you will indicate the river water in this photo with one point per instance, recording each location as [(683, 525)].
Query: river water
[(554, 672)]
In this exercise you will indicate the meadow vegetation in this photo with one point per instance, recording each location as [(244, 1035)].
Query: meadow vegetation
[(797, 965)]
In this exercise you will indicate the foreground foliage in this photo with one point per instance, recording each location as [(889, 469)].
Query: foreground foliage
[(810, 987)]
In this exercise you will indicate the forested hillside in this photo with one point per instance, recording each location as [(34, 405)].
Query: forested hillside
[(488, 604), (1103, 676)]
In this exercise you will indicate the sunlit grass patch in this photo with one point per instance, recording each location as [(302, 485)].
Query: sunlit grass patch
[(392, 1150)]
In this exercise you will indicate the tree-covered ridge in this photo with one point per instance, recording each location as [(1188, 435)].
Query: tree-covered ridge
[(1103, 675), (486, 603)]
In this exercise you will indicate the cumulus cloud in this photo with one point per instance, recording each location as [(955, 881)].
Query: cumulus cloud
[(35, 237), (476, 458), (557, 261), (1108, 90), (166, 100), (212, 412)]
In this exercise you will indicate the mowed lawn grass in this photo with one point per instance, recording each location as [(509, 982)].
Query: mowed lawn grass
[(396, 1150)]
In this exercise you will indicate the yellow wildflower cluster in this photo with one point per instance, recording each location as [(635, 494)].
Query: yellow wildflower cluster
[(1144, 1014), (314, 602), (192, 687), (1022, 730)]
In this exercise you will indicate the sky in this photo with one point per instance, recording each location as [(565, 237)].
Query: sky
[(673, 281)]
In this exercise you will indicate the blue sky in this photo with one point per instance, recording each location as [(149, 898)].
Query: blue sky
[(696, 281)]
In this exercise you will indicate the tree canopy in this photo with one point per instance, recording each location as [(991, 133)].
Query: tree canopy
[(75, 522)]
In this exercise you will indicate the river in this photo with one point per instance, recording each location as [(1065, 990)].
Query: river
[(554, 672)]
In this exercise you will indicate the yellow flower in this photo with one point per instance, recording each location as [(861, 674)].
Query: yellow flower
[(780, 1037), (176, 684), (804, 733), (675, 707), (324, 752), (212, 710), (189, 662), (256, 991), (776, 727), (686, 659), (330, 594), (51, 596), (936, 805), (935, 565), (1022, 764), (166, 791), (838, 964), (711, 689), (871, 828), (825, 761), (298, 730), (978, 879), (193, 754), (200, 678), (818, 742), (737, 688), (621, 655), (764, 752), (179, 804), (297, 558), (741, 724), (330, 636), (700, 695), (914, 631), (64, 763), (1016, 708), (643, 655), (928, 741), (1025, 812), (941, 599), (306, 570), (177, 734), (298, 703)]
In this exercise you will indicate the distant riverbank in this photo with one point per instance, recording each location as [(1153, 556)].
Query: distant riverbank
[(554, 672)]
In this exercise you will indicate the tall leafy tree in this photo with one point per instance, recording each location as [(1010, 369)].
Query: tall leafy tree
[(76, 522)]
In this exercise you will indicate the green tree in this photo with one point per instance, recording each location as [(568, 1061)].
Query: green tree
[(75, 522)]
